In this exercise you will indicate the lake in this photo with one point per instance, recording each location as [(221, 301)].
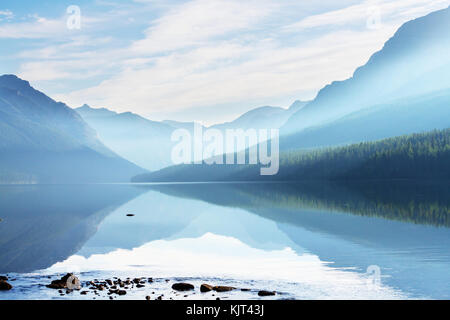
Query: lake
[(377, 240)]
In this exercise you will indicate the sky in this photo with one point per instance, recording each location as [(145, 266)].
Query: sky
[(202, 60)]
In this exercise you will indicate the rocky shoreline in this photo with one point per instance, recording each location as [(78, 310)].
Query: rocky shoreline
[(115, 287)]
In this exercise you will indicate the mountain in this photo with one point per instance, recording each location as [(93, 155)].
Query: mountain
[(42, 140), (418, 156), (415, 61), (142, 141), (402, 116), (262, 118), (148, 143)]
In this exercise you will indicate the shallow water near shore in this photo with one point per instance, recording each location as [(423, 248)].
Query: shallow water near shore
[(304, 241)]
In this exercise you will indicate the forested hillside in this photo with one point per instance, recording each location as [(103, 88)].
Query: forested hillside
[(416, 156)]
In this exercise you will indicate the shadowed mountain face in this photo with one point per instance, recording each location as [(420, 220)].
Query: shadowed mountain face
[(42, 140), (415, 61), (45, 224)]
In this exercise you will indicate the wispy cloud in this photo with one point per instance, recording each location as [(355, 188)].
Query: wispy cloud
[(198, 21), (360, 13), (6, 15), (40, 27), (225, 56)]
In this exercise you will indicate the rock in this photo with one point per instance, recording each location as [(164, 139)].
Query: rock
[(62, 283), (109, 282), (205, 288), (222, 288), (147, 298), (5, 285), (245, 289), (140, 286), (83, 292), (3, 278), (181, 286), (121, 292), (130, 215), (264, 293)]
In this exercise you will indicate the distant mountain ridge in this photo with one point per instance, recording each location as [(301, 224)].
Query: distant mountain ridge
[(42, 140), (415, 61), (145, 142), (266, 117), (403, 116), (148, 143)]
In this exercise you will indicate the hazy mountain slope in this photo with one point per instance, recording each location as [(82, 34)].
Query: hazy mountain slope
[(145, 142), (403, 116), (42, 140), (416, 60), (148, 143), (262, 118)]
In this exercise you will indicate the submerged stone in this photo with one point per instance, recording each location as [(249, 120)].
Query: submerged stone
[(181, 286)]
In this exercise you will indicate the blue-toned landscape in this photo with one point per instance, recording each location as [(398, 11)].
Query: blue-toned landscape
[(344, 107)]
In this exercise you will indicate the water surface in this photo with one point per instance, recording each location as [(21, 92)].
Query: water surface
[(304, 240)]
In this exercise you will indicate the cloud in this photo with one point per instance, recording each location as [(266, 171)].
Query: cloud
[(217, 54), (38, 28), (6, 15), (197, 21), (230, 73), (360, 13)]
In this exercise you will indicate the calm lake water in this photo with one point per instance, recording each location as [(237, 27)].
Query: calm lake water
[(304, 240)]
